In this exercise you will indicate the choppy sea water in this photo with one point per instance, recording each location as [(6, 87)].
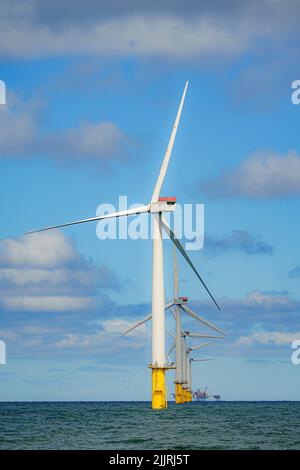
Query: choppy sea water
[(133, 425)]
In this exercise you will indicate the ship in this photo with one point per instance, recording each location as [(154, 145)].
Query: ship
[(202, 395)]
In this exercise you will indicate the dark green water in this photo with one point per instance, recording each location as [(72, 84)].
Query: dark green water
[(133, 425)]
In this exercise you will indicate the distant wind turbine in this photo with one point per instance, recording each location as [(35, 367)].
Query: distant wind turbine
[(180, 336)]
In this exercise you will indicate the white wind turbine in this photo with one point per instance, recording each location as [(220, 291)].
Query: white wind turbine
[(157, 206), (186, 361), (180, 336), (183, 392), (192, 359)]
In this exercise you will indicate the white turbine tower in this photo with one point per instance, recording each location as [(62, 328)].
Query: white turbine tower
[(185, 366), (187, 371), (157, 206), (180, 341), (180, 304), (181, 367), (192, 359)]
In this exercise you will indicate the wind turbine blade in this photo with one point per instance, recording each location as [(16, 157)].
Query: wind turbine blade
[(144, 320), (135, 325), (171, 334), (173, 312), (169, 305), (172, 347), (203, 335), (199, 346), (201, 319), (166, 159), (202, 360), (175, 240), (135, 211)]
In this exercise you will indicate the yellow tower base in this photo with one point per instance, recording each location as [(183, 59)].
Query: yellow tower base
[(189, 396), (178, 394), (184, 395), (159, 396)]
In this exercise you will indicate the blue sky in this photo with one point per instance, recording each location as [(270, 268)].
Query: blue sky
[(92, 93)]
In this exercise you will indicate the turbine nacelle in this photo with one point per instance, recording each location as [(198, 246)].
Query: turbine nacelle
[(164, 204), (180, 300)]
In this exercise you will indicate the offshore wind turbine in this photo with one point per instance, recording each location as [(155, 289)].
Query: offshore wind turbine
[(192, 359), (187, 380), (181, 367), (156, 207), (180, 336), (185, 366)]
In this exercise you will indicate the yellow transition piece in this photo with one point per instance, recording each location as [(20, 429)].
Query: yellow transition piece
[(159, 396), (179, 397)]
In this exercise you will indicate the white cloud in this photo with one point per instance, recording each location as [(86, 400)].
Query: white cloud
[(41, 250), (99, 140), (38, 330), (257, 301), (258, 298), (262, 175), (18, 126), (261, 308), (51, 278), (118, 326), (136, 35), (276, 338), (47, 304), (106, 338), (21, 136), (94, 28), (43, 272)]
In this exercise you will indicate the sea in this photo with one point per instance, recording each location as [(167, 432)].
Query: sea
[(134, 425)]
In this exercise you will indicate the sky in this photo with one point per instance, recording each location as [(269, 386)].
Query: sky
[(92, 92)]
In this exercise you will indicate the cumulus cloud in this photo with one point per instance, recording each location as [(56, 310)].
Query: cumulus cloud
[(262, 303), (200, 29), (268, 309), (45, 273), (258, 320), (98, 140), (48, 304), (18, 125), (98, 330), (118, 326), (47, 250), (276, 338), (21, 136), (263, 175), (104, 338), (237, 240), (39, 277)]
